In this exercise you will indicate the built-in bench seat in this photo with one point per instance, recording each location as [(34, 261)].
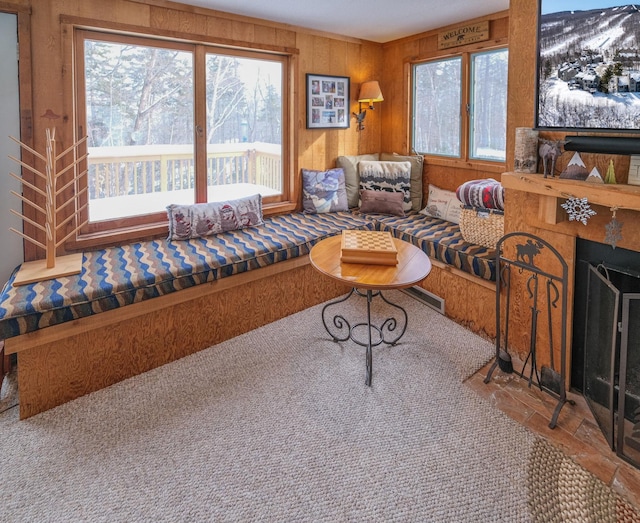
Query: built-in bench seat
[(442, 241), (138, 306), (118, 276)]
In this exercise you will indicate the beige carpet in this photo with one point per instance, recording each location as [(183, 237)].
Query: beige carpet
[(278, 425)]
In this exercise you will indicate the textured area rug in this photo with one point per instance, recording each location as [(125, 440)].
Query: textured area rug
[(278, 425), (560, 491)]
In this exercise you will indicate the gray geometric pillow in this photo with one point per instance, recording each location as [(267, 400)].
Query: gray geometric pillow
[(387, 176), (323, 191)]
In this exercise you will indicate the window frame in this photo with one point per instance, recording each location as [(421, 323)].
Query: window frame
[(449, 58), (150, 225), (465, 158), (471, 105)]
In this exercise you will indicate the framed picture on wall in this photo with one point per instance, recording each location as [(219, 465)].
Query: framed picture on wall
[(327, 101)]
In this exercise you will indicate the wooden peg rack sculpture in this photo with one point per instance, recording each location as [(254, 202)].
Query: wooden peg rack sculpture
[(52, 266)]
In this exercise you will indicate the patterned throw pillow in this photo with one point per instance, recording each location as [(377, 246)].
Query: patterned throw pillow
[(486, 193), (443, 204), (323, 191), (417, 162), (387, 176), (204, 219)]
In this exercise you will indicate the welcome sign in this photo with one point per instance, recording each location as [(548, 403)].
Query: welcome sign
[(464, 35)]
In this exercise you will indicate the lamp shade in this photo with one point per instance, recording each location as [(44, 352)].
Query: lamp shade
[(370, 92)]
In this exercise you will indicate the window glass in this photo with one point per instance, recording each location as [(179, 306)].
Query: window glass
[(177, 123), (139, 120), (436, 107), (244, 127), (459, 97), (488, 127)]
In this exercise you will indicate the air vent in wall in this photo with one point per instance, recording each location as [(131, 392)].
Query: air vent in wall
[(426, 297)]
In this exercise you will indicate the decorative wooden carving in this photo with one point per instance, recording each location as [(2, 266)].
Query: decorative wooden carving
[(54, 186)]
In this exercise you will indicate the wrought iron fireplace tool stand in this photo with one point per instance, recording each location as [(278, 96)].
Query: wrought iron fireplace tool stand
[(548, 379), (340, 329)]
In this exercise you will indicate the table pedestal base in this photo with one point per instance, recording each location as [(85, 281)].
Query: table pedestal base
[(389, 332)]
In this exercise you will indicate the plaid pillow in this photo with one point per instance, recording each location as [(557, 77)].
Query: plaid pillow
[(488, 194)]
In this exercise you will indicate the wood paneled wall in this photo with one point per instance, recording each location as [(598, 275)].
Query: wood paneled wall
[(386, 127), (397, 57), (316, 52), (467, 301)]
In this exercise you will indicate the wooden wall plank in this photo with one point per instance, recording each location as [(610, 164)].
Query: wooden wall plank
[(521, 113), (522, 71)]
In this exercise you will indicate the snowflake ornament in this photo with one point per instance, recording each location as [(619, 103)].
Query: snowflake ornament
[(578, 209)]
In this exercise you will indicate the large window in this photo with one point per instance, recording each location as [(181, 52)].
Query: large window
[(175, 122), (488, 109), (458, 114), (436, 107)]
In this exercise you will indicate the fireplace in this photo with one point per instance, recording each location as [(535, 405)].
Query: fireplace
[(611, 358), (606, 342)]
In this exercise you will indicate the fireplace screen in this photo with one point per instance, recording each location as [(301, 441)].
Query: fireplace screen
[(629, 401), (612, 357), (600, 350)]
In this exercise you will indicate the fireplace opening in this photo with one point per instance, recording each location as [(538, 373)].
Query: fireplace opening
[(605, 363)]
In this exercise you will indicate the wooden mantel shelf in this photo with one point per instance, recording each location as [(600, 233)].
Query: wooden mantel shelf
[(613, 196)]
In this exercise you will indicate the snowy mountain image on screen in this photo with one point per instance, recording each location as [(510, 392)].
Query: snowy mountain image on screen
[(575, 169), (589, 68)]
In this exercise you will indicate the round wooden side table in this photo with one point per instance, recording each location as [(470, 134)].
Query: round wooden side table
[(369, 280)]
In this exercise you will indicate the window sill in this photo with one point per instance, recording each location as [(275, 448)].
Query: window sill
[(114, 236)]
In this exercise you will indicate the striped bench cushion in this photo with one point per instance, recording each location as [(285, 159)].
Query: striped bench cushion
[(119, 276), (441, 240)]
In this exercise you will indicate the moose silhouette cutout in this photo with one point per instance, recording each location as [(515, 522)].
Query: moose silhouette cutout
[(526, 252)]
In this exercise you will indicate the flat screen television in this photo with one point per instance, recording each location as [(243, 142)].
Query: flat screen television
[(588, 69)]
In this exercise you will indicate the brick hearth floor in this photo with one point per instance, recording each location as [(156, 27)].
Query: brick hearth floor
[(577, 433)]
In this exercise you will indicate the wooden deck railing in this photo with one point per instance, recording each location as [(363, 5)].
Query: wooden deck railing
[(121, 171)]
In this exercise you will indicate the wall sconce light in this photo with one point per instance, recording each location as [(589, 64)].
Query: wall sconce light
[(369, 92)]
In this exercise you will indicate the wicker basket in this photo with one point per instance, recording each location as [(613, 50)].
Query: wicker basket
[(481, 226)]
